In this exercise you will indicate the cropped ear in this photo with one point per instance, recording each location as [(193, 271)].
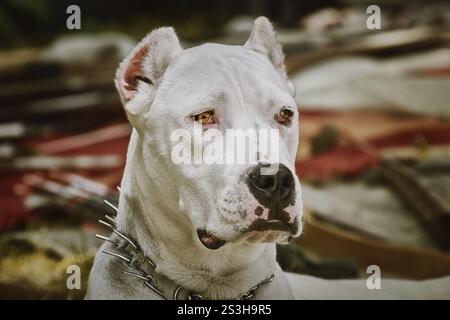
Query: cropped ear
[(263, 40), (140, 72)]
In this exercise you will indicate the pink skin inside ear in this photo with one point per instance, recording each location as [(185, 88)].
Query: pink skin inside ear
[(131, 74)]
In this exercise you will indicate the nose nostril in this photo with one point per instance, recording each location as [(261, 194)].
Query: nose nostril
[(267, 182), (274, 189), (263, 182), (287, 182)]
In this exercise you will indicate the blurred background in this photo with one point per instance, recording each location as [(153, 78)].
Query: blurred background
[(374, 156)]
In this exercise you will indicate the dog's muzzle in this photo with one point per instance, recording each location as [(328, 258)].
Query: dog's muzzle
[(275, 194)]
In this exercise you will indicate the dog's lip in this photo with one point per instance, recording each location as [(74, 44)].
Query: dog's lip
[(208, 240), (278, 225)]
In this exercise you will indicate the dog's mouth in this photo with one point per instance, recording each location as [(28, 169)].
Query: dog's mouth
[(274, 225), (208, 240), (212, 242)]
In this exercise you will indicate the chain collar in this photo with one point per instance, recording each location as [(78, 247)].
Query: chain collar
[(141, 267)]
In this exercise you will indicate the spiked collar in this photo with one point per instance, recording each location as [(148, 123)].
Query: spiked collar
[(138, 265)]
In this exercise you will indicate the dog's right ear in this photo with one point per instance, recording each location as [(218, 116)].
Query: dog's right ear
[(140, 72)]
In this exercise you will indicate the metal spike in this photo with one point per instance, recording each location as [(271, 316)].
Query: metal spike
[(106, 224), (140, 276), (99, 236), (125, 238), (110, 204), (146, 259), (110, 219), (175, 294), (117, 255), (155, 289), (151, 262)]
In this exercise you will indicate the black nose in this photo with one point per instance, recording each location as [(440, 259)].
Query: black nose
[(272, 190)]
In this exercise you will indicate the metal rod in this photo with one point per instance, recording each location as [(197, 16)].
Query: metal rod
[(110, 219), (117, 255), (111, 205), (99, 236), (125, 238), (106, 224)]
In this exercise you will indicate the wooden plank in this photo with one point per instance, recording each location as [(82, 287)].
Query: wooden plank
[(328, 241)]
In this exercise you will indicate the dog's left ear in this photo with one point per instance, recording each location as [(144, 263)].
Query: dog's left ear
[(138, 76), (263, 40)]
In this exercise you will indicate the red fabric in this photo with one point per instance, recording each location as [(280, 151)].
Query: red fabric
[(348, 160), (12, 211)]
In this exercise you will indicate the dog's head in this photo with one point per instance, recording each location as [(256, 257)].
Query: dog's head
[(204, 98)]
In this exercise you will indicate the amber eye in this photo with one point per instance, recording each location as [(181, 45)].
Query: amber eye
[(206, 117), (285, 116)]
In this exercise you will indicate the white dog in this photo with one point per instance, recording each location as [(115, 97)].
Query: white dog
[(197, 230), (209, 229)]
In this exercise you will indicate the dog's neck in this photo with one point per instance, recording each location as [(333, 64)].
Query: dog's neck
[(167, 236)]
